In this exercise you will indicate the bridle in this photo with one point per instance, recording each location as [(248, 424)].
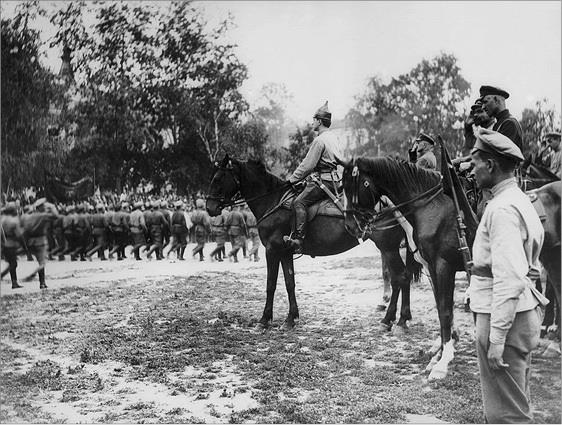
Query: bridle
[(381, 215), (237, 198)]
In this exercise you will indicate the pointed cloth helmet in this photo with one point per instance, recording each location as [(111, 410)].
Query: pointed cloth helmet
[(323, 112)]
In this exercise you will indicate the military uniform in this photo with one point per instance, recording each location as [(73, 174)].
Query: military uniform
[(82, 229), (556, 156), (253, 235), (202, 225), (502, 293), (219, 233), (35, 230), (99, 232), (236, 228), (138, 229), (11, 239), (321, 161), (157, 225), (119, 225), (180, 223)]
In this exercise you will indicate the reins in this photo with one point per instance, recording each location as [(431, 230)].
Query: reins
[(371, 225)]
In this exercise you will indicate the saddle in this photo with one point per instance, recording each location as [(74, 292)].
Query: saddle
[(325, 207)]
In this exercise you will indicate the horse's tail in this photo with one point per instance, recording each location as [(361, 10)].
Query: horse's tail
[(413, 266)]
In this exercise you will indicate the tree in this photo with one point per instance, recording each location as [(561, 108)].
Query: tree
[(535, 123), (429, 98), (26, 93)]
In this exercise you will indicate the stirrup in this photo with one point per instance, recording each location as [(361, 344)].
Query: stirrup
[(294, 244)]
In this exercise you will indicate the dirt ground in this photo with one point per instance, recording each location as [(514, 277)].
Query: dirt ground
[(174, 342)]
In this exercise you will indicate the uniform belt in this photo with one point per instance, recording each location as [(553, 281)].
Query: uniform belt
[(482, 271)]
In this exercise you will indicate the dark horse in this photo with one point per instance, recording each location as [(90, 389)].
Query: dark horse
[(418, 194), (327, 235), (535, 175)]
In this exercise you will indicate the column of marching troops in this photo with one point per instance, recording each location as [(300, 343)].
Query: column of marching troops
[(155, 229)]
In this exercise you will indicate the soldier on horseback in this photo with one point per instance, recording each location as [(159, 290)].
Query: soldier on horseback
[(321, 163)]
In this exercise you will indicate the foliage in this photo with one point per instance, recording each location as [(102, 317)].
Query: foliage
[(429, 98), (536, 123), (27, 88)]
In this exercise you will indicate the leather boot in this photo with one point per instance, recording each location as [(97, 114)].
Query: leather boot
[(14, 277), (296, 242), (41, 274)]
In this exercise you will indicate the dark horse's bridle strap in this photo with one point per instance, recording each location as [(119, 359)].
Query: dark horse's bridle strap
[(426, 196)]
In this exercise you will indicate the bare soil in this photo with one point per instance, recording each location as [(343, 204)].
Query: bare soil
[(174, 342)]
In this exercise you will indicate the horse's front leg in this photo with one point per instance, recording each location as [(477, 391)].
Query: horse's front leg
[(272, 259), (443, 277), (289, 274), (387, 290)]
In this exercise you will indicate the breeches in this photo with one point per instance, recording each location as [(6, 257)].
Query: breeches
[(138, 238), (10, 254), (505, 392), (39, 252), (180, 237), (310, 195), (200, 237)]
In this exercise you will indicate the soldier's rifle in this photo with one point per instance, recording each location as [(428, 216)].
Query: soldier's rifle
[(461, 227)]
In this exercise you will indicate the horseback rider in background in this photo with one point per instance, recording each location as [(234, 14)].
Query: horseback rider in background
[(320, 163)]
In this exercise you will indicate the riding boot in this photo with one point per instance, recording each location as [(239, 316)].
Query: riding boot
[(42, 284), (182, 250), (296, 242)]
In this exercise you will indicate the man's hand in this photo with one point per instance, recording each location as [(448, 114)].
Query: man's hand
[(495, 357)]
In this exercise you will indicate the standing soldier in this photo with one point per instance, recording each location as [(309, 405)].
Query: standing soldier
[(37, 238), (503, 296), (99, 232), (253, 234), (202, 224), (180, 229), (11, 238), (236, 227), (553, 140), (424, 149), (138, 229), (493, 102), (219, 233), (156, 224)]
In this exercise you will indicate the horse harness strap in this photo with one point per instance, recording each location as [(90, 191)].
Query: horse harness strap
[(409, 230), (328, 192)]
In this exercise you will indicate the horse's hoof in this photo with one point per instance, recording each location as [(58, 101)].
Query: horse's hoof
[(385, 327), (287, 326), (437, 374), (260, 328), (399, 330), (381, 307)]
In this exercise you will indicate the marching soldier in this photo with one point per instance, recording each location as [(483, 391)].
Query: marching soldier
[(253, 234), (58, 234), (11, 239), (236, 228), (24, 219), (99, 232), (202, 224), (180, 229), (35, 231), (120, 229), (219, 233), (156, 224), (82, 229), (138, 229), (68, 229)]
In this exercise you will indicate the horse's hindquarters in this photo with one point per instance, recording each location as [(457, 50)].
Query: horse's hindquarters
[(327, 236)]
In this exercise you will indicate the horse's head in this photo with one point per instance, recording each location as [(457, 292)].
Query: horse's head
[(225, 185), (360, 198)]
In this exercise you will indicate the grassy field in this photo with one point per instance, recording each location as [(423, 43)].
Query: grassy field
[(184, 350)]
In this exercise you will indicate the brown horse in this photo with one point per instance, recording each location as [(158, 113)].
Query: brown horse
[(432, 215), (326, 235), (418, 195)]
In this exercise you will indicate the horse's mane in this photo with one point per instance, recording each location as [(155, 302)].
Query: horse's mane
[(400, 172), (259, 168)]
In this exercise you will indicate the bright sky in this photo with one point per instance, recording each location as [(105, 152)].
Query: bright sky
[(327, 50)]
